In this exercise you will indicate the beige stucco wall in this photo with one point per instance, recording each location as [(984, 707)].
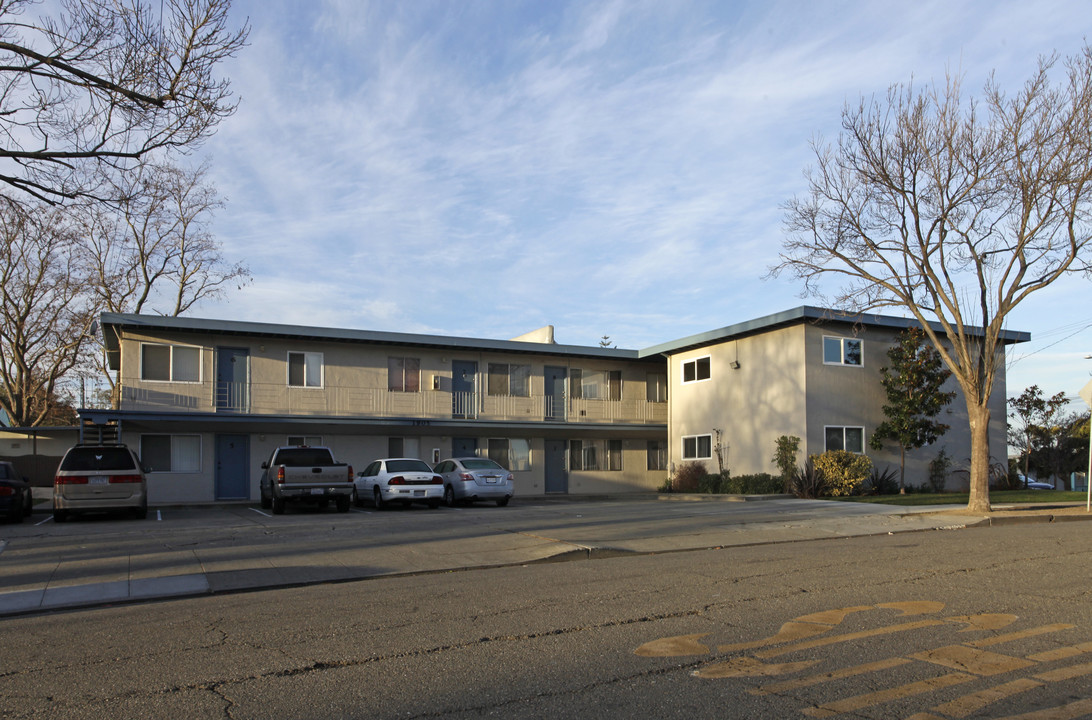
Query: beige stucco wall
[(753, 405), (783, 387)]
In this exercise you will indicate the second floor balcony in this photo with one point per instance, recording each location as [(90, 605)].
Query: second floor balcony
[(270, 399)]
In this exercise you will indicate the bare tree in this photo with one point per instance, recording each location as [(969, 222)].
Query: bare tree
[(46, 310), (955, 211), (105, 83), (154, 251)]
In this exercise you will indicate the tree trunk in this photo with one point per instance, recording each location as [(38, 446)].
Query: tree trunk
[(979, 500)]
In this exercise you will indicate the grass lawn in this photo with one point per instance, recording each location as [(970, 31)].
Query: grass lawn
[(997, 497)]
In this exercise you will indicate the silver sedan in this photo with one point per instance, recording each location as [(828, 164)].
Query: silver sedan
[(475, 478)]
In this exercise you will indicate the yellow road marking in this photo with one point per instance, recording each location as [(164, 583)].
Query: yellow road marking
[(877, 698), (820, 642), (673, 646), (914, 607), (749, 667), (972, 660), (969, 704), (1071, 711), (828, 676), (790, 631), (1065, 673), (1062, 653), (1031, 632), (985, 621)]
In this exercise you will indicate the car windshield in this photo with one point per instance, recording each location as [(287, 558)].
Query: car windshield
[(481, 464), (98, 458), (408, 466)]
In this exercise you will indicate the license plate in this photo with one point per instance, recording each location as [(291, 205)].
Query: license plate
[(99, 480), (491, 479), (418, 493), (318, 491)]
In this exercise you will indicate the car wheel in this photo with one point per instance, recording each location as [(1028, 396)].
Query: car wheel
[(266, 502), (357, 502), (449, 496), (501, 502), (377, 499), (278, 506), (343, 503), (60, 515), (16, 513)]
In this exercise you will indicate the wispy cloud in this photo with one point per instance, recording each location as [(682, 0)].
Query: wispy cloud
[(482, 168)]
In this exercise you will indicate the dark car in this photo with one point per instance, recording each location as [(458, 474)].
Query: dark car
[(99, 477), (16, 501)]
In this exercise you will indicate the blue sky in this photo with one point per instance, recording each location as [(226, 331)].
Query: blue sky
[(611, 168)]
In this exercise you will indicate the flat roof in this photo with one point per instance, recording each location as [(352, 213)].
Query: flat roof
[(133, 321), (805, 313)]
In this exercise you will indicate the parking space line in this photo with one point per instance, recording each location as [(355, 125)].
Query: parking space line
[(159, 515), (260, 512), (43, 522)]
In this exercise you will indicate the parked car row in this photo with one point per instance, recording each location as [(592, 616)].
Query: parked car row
[(101, 477), (452, 481)]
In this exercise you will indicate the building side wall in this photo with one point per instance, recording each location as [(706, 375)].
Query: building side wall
[(752, 405)]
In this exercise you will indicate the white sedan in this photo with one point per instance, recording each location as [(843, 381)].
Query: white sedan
[(401, 480)]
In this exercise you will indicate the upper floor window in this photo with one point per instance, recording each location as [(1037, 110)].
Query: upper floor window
[(697, 447), (656, 388), (595, 384), (305, 369), (508, 379), (841, 351), (696, 370), (404, 374), (844, 438), (171, 363)]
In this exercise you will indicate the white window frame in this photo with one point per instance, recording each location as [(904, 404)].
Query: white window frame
[(694, 362), (171, 362), (307, 355), (176, 450), (841, 361), (697, 447), (844, 428)]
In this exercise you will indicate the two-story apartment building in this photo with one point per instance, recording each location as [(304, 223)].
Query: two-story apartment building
[(204, 402), (809, 372)]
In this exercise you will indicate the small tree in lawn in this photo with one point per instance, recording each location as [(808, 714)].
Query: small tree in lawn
[(913, 383), (1029, 414)]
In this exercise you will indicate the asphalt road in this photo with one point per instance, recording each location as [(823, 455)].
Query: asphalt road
[(982, 622)]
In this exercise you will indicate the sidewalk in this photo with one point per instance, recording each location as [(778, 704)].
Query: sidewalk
[(78, 567)]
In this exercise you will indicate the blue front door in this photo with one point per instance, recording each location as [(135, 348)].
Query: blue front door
[(232, 467), (464, 386)]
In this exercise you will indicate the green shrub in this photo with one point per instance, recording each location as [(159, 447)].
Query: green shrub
[(756, 484), (785, 459), (845, 472), (688, 476), (808, 481), (667, 486), (713, 484)]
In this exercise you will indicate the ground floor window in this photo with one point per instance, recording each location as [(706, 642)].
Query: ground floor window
[(595, 455), (844, 438), (171, 453), (697, 447), (657, 455)]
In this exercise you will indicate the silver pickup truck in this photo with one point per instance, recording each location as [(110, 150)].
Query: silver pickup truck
[(307, 475)]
